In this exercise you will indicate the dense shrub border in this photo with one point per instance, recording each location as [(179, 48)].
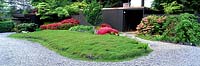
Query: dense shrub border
[(182, 29), (86, 46), (6, 26)]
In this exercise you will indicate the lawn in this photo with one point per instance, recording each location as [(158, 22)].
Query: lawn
[(86, 46)]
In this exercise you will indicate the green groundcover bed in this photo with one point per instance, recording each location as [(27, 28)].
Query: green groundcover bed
[(85, 46)]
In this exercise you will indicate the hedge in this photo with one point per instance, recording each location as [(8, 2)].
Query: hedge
[(6, 26)]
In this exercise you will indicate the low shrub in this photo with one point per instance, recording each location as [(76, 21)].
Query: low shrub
[(151, 25), (30, 27), (81, 28), (6, 26), (63, 25)]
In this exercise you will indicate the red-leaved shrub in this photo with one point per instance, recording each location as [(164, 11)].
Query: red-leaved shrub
[(106, 29), (105, 25), (63, 25), (72, 21), (43, 27), (53, 26)]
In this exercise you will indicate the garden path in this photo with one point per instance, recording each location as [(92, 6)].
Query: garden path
[(14, 52)]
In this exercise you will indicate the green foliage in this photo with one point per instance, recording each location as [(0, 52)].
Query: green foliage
[(38, 29), (191, 5), (46, 9), (30, 27), (93, 13), (43, 9), (81, 28), (61, 12), (80, 5), (6, 26), (170, 8), (72, 9), (86, 46), (182, 28), (186, 30), (53, 3), (4, 11), (170, 22)]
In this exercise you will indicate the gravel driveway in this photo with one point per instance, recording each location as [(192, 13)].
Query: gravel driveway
[(14, 52)]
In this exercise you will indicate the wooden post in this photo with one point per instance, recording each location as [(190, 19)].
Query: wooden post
[(142, 3)]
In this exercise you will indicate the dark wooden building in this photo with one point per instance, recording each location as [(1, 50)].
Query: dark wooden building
[(122, 19)]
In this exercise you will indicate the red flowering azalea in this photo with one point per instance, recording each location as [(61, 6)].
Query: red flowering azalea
[(43, 27), (55, 26), (71, 20)]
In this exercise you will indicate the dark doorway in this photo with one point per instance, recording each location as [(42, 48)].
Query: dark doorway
[(132, 18)]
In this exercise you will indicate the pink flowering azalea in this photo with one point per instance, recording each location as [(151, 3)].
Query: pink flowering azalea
[(159, 20), (145, 19)]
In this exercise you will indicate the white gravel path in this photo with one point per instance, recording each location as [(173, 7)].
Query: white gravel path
[(14, 52)]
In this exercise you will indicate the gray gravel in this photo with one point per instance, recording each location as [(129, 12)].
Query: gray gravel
[(14, 52)]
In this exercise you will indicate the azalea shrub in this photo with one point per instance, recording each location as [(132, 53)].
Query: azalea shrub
[(151, 25), (107, 29), (62, 25)]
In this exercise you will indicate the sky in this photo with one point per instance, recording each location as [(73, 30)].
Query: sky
[(148, 3), (138, 3)]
